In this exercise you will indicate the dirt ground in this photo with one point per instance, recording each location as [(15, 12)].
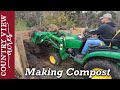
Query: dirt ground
[(38, 57)]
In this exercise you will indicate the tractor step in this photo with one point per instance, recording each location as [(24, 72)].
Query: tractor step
[(76, 58)]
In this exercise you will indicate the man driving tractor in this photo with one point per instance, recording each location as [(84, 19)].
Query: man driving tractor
[(105, 31), (66, 45)]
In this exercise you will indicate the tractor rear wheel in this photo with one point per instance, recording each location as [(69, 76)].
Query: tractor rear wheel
[(54, 58), (100, 65)]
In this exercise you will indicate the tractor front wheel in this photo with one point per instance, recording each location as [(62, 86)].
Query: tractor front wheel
[(54, 58), (100, 65)]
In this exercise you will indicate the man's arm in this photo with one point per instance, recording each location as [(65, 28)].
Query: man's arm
[(99, 30)]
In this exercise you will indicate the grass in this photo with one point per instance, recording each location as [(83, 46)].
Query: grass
[(20, 25)]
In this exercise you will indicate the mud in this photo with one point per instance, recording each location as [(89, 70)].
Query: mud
[(38, 57)]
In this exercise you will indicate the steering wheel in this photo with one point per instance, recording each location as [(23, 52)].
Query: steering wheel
[(86, 34)]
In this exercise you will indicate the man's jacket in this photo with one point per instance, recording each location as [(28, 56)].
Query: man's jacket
[(105, 31)]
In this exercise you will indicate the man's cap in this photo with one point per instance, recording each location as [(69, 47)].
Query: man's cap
[(108, 15)]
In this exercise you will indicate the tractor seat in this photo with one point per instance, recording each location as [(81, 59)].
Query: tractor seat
[(98, 47), (93, 48)]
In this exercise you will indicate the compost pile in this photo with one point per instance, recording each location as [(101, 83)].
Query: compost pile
[(38, 57)]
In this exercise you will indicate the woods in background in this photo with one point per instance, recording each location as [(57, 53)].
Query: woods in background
[(28, 19)]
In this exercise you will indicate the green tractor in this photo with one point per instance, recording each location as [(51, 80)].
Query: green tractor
[(68, 45)]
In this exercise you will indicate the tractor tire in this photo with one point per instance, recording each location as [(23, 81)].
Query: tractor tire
[(54, 58), (103, 64)]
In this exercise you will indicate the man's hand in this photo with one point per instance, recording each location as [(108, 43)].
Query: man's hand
[(87, 30)]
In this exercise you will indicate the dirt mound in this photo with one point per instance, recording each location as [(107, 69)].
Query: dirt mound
[(37, 56), (35, 53), (37, 28), (52, 27)]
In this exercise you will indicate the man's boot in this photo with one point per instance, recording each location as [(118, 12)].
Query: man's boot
[(80, 56)]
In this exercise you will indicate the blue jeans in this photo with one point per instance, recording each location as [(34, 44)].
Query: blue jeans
[(91, 41)]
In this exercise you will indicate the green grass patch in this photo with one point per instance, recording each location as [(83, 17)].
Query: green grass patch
[(20, 25)]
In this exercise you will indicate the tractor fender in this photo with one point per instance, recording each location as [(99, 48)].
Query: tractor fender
[(107, 54)]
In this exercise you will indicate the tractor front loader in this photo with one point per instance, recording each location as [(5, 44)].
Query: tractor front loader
[(59, 42)]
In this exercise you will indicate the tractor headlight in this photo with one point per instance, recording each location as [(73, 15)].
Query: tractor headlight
[(61, 46)]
